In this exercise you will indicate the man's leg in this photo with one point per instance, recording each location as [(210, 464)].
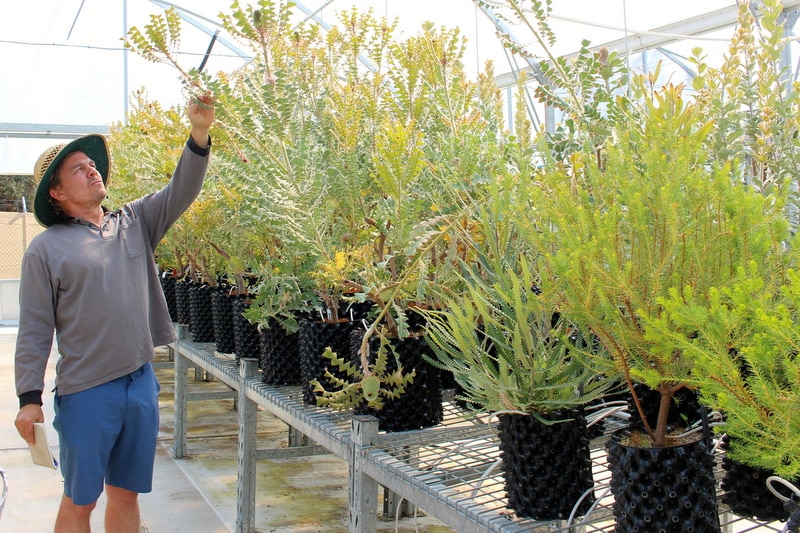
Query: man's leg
[(73, 518), (122, 511)]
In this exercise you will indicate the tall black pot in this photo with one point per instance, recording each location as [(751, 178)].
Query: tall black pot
[(247, 340), (182, 302), (168, 287), (745, 490), (280, 355), (222, 311), (314, 337), (669, 489), (547, 468), (200, 313), (421, 404), (793, 509)]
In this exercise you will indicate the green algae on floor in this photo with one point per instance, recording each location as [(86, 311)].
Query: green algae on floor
[(306, 494), (302, 492)]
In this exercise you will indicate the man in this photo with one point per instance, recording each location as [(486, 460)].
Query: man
[(91, 277)]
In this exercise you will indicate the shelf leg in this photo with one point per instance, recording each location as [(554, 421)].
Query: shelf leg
[(246, 485), (394, 506), (181, 365), (298, 438), (363, 494)]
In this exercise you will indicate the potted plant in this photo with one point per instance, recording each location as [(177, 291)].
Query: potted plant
[(511, 353), (500, 334), (630, 224), (743, 343), (753, 108), (423, 172)]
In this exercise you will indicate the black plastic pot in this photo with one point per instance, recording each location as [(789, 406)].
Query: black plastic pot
[(280, 356), (182, 302), (793, 509), (662, 490), (745, 490), (200, 313), (246, 337), (168, 287), (421, 404), (222, 311), (314, 338), (547, 469)]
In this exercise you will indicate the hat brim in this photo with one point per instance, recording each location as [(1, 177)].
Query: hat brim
[(95, 147)]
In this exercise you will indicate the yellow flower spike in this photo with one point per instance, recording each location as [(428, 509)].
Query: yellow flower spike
[(341, 260)]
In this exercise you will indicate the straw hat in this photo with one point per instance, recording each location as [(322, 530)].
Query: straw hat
[(94, 146)]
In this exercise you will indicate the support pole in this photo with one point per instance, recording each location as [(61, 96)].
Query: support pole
[(181, 397), (363, 493), (393, 504), (246, 485), (297, 438)]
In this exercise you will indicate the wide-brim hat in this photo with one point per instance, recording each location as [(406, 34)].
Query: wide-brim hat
[(94, 146)]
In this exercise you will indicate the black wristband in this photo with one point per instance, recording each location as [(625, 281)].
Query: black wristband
[(32, 396), (199, 150)]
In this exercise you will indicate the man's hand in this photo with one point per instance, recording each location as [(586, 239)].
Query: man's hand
[(26, 417), (200, 112)]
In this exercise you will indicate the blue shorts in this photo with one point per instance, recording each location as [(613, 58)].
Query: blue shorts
[(107, 435)]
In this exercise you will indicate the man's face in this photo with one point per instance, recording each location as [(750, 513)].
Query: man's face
[(80, 184)]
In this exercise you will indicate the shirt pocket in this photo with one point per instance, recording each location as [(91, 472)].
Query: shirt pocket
[(131, 233)]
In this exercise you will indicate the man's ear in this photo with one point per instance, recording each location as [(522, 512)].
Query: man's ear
[(55, 193)]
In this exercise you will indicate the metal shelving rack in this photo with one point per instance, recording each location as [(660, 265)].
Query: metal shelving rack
[(450, 471)]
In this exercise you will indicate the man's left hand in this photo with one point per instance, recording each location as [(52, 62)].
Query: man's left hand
[(200, 112)]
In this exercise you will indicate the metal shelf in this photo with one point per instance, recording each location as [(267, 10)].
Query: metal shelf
[(459, 482), (450, 471)]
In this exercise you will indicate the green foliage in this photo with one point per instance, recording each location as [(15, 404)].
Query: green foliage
[(13, 189), (753, 103), (328, 142), (509, 349), (587, 90), (651, 217), (537, 23), (145, 149), (373, 386), (160, 40), (502, 334), (744, 343)]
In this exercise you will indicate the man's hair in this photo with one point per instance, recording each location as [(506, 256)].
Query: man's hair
[(55, 181)]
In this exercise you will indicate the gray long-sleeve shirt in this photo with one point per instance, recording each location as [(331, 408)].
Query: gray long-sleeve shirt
[(98, 289)]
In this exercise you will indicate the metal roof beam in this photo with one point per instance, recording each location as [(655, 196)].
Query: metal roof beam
[(678, 31), (668, 34), (21, 130)]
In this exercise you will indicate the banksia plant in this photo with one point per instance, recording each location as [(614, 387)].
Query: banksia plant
[(648, 220), (744, 344), (509, 350), (503, 336), (373, 386)]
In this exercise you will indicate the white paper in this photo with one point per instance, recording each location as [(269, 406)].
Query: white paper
[(41, 452)]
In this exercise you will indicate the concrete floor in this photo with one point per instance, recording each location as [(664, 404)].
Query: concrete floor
[(196, 494)]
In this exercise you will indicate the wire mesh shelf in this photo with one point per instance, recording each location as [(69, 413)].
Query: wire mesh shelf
[(450, 471), (462, 475)]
